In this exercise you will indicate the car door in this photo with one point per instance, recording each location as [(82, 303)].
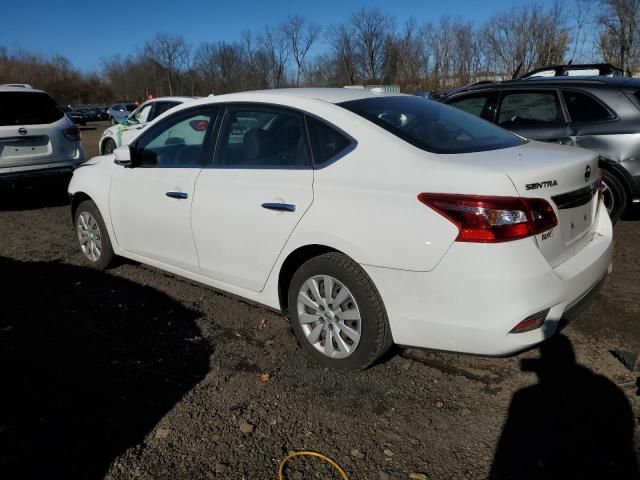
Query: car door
[(535, 114), (138, 120), (257, 190), (150, 203)]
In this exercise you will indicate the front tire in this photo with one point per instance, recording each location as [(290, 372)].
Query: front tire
[(108, 146), (337, 314), (93, 237), (614, 195), (112, 121)]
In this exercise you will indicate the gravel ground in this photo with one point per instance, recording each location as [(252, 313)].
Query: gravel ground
[(135, 373)]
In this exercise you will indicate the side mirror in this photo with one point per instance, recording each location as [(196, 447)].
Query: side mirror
[(122, 156)]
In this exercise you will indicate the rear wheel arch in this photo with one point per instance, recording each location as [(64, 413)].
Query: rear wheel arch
[(614, 170), (291, 264)]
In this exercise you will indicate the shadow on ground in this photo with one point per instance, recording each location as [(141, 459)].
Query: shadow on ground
[(89, 364), (34, 194), (573, 424)]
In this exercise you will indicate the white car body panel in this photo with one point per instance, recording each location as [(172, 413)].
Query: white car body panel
[(438, 293)]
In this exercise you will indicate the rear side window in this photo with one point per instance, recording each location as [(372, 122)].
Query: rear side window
[(261, 137), (584, 108), (162, 107), (431, 126), (28, 108), (529, 108), (326, 141)]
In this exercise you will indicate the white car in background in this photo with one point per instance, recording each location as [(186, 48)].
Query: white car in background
[(120, 134), (36, 137), (367, 218)]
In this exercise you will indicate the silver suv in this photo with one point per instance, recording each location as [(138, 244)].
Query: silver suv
[(36, 137)]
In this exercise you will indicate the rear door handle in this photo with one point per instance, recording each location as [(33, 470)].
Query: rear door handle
[(178, 195), (280, 207)]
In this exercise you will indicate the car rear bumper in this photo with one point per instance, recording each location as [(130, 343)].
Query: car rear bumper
[(44, 170), (479, 292)]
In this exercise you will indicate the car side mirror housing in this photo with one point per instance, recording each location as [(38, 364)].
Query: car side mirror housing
[(122, 156)]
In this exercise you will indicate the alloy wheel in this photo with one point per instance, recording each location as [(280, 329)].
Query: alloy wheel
[(329, 316), (89, 236)]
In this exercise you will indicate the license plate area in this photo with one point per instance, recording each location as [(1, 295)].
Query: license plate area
[(17, 147)]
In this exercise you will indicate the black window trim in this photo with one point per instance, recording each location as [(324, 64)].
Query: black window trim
[(612, 118), (530, 89), (266, 106), (206, 143)]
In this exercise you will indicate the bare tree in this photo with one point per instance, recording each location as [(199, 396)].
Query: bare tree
[(301, 35), (343, 46), (170, 54), (619, 35), (372, 27), (275, 51)]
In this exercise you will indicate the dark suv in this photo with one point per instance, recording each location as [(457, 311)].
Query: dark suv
[(598, 113)]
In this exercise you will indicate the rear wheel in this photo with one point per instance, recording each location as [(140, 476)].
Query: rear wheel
[(337, 313), (614, 195), (93, 237), (108, 146)]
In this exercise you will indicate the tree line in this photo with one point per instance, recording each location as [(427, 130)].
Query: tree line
[(370, 47)]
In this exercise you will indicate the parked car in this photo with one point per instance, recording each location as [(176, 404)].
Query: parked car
[(120, 111), (598, 113), (101, 113), (76, 117), (36, 137), (367, 218), (121, 133)]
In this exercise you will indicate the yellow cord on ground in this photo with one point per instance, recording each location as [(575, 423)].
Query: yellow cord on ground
[(310, 454)]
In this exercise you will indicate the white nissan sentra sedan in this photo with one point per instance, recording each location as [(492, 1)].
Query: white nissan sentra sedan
[(368, 219)]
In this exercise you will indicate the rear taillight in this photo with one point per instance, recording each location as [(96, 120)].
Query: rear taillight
[(72, 134), (485, 219)]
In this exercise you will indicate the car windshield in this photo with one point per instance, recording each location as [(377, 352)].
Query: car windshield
[(28, 108), (432, 126)]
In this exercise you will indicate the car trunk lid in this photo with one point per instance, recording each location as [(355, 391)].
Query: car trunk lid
[(566, 177)]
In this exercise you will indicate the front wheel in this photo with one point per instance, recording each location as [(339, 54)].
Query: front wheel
[(613, 195), (93, 237), (337, 314), (108, 146)]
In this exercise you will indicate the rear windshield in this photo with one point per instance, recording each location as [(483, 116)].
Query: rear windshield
[(27, 108), (432, 126)]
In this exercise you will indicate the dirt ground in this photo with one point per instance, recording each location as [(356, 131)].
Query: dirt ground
[(135, 373)]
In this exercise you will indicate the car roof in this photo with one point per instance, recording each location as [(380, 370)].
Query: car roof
[(330, 95), (19, 89), (568, 81)]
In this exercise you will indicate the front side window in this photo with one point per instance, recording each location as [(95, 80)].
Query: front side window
[(584, 108), (142, 115), (177, 141), (529, 109), (261, 137), (473, 104), (432, 126), (28, 108)]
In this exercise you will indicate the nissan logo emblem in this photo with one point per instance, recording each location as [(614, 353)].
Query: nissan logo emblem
[(587, 174), (22, 131)]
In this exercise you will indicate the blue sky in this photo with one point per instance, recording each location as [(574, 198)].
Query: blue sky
[(86, 31)]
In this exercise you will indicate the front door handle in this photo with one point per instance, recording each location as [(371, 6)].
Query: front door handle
[(178, 195), (280, 207)]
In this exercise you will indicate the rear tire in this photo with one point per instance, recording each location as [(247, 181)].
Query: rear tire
[(350, 314), (615, 196), (93, 237)]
